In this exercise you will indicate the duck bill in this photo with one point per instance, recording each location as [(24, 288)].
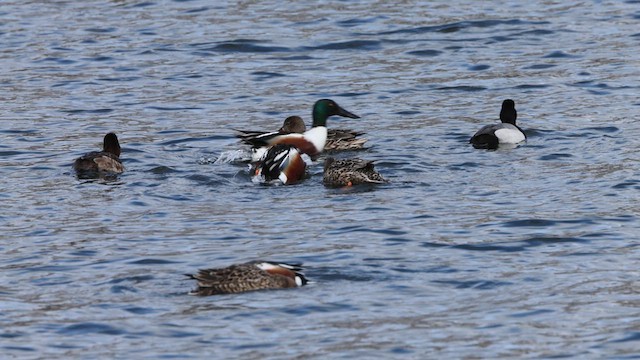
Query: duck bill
[(345, 113)]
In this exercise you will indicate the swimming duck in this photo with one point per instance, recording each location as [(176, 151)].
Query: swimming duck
[(282, 162), (348, 172), (255, 275), (507, 132), (107, 160), (311, 142)]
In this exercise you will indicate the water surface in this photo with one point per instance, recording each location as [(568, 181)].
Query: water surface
[(525, 252)]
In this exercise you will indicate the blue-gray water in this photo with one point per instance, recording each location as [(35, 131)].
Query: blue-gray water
[(528, 252)]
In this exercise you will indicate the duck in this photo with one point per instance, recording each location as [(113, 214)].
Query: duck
[(283, 163), (507, 132), (250, 276), (310, 142), (349, 172), (105, 161), (337, 139)]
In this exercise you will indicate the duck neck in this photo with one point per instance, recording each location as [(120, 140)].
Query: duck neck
[(112, 148), (319, 117), (508, 116)]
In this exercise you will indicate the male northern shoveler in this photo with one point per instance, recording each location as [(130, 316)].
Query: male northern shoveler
[(255, 275), (348, 172), (507, 132), (105, 161), (311, 142), (282, 162)]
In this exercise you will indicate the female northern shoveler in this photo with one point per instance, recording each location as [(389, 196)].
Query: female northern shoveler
[(105, 161), (282, 162), (311, 142), (350, 172), (337, 139), (255, 275), (507, 132)]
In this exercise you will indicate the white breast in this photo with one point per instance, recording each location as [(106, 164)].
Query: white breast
[(318, 136)]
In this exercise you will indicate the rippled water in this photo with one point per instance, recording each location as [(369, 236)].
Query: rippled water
[(526, 252)]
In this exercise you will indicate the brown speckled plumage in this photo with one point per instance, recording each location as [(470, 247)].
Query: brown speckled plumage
[(107, 160), (344, 139), (348, 172), (256, 275)]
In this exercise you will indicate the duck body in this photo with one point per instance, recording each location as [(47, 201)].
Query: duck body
[(344, 140), (97, 161), (251, 276), (105, 161), (281, 162), (507, 132), (348, 172), (491, 136)]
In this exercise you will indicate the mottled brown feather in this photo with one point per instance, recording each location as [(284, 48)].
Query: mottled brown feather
[(349, 172), (107, 160), (242, 277)]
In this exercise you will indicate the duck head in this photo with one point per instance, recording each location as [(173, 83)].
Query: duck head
[(508, 113), (293, 124), (111, 144), (324, 108)]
